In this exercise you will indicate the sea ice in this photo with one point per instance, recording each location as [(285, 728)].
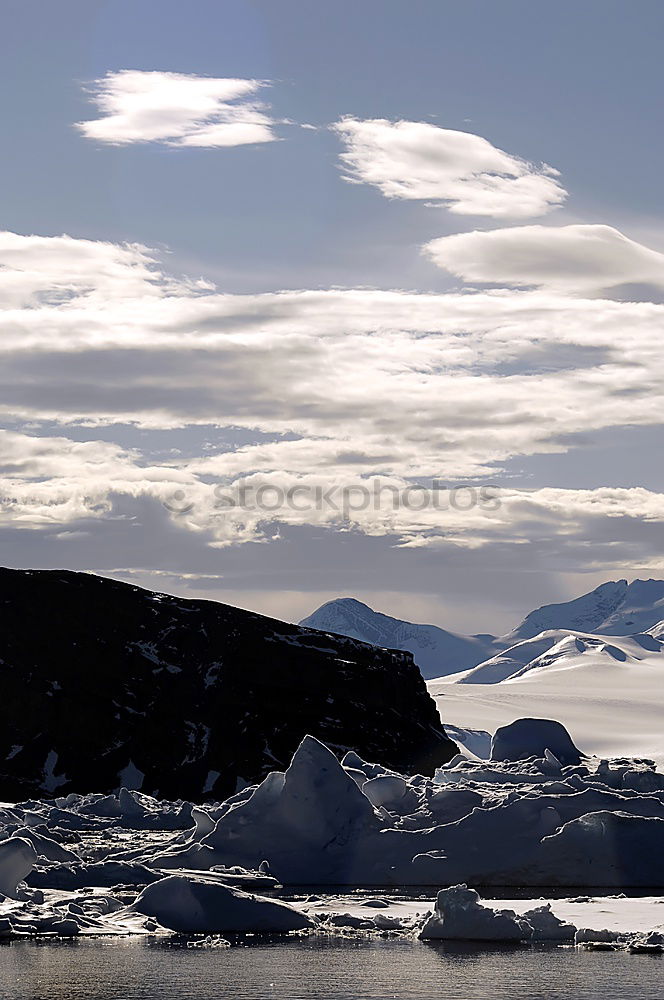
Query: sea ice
[(536, 821), (17, 859), (308, 822), (198, 905), (532, 738), (459, 916)]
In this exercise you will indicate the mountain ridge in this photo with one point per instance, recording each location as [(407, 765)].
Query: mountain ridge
[(615, 607), (348, 616)]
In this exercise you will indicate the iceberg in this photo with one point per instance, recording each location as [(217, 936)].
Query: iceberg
[(310, 822), (17, 859), (532, 738), (459, 916), (194, 905)]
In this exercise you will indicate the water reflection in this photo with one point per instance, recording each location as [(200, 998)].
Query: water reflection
[(311, 968)]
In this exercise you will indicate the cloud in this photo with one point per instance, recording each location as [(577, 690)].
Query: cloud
[(51, 271), (346, 386), (377, 382), (464, 172), (177, 109), (581, 259), (67, 490)]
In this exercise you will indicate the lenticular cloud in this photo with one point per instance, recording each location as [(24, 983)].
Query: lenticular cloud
[(177, 109), (575, 260), (416, 160)]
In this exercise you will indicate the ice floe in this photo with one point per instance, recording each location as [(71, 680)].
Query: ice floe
[(534, 738), (459, 915), (131, 864), (205, 905), (17, 858)]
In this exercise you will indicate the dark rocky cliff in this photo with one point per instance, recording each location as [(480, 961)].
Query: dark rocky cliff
[(103, 683)]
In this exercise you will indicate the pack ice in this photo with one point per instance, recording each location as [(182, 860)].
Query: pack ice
[(129, 863)]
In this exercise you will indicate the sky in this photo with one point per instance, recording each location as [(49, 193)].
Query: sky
[(305, 300)]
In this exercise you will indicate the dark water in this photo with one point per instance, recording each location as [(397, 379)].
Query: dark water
[(334, 970)]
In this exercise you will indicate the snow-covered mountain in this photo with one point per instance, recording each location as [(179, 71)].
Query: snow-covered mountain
[(553, 649), (607, 690), (605, 682), (435, 650), (614, 608)]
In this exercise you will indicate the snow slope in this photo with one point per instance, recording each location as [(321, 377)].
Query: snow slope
[(595, 664), (554, 646), (435, 650), (607, 690)]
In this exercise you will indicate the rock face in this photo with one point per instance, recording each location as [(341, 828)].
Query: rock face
[(105, 684)]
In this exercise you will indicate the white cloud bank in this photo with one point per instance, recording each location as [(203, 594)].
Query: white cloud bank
[(177, 109), (366, 383), (416, 160), (377, 382), (581, 259), (63, 487)]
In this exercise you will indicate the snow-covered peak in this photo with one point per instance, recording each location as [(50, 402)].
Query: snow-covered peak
[(348, 616), (614, 608), (557, 649), (586, 613), (436, 651), (575, 651), (641, 608), (510, 661)]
